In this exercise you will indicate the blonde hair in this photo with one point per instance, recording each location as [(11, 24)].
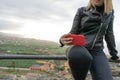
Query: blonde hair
[(108, 6)]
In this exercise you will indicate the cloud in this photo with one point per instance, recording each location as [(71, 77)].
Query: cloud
[(42, 9), (14, 13), (35, 9), (30, 8), (8, 25)]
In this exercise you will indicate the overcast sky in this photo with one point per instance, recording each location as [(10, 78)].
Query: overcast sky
[(44, 19)]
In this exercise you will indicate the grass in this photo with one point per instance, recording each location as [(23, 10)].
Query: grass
[(18, 45), (17, 63)]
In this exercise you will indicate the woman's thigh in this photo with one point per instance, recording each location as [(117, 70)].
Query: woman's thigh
[(78, 54), (79, 60), (100, 68)]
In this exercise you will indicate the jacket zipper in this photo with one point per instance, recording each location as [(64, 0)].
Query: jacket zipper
[(96, 36)]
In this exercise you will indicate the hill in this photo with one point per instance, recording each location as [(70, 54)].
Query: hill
[(16, 44)]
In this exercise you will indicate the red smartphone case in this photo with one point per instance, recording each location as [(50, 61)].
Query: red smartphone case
[(78, 40)]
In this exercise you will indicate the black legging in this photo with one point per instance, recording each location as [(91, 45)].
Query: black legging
[(82, 60)]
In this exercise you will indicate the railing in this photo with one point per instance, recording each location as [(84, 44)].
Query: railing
[(40, 57)]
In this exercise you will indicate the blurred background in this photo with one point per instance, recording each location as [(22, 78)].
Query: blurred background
[(35, 26)]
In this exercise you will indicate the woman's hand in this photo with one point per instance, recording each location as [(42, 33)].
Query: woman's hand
[(115, 59), (66, 40)]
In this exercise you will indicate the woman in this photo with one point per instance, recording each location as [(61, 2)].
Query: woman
[(95, 22)]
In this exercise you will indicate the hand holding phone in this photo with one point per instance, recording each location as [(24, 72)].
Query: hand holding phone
[(78, 40)]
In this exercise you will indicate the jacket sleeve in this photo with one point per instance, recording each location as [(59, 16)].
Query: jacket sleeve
[(76, 22), (110, 40)]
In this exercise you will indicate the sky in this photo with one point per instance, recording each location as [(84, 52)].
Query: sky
[(44, 19)]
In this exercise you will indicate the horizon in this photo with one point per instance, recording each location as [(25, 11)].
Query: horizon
[(20, 36)]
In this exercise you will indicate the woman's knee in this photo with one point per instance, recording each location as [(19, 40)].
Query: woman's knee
[(79, 54)]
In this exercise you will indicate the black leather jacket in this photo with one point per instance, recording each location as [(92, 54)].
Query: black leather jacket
[(95, 26)]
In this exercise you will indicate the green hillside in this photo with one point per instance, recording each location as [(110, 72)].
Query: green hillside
[(17, 45)]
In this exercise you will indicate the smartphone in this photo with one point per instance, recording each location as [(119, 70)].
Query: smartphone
[(78, 40)]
